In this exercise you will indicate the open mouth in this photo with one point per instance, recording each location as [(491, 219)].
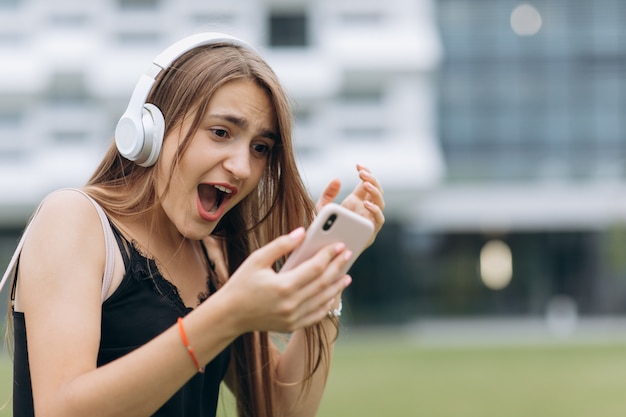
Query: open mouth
[(213, 197)]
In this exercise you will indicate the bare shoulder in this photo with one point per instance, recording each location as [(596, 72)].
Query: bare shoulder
[(67, 201), (65, 241), (68, 220), (59, 285), (67, 209)]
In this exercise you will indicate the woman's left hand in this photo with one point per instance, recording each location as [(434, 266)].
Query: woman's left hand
[(366, 199)]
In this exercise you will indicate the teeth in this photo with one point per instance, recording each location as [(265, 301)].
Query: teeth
[(223, 189)]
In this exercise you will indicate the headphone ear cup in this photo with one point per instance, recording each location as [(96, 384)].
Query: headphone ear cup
[(139, 132), (153, 130), (129, 137)]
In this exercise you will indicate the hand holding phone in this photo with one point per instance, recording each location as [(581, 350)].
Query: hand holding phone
[(334, 223)]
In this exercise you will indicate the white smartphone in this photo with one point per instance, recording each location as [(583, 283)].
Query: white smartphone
[(334, 223)]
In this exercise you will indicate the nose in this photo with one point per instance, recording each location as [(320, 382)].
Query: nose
[(237, 162)]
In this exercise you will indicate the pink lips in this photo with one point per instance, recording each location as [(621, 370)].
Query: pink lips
[(224, 198)]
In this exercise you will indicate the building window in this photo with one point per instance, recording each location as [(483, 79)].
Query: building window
[(363, 134), (69, 137), (11, 126), (68, 20), (361, 18), (288, 29), (9, 4), (67, 88), (137, 4), (138, 38), (369, 95), (210, 19), (11, 39), (10, 119)]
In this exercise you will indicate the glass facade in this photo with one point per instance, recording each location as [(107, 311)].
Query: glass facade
[(529, 93), (533, 94)]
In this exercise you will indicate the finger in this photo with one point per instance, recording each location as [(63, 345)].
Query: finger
[(329, 194), (366, 176), (268, 254), (310, 279), (319, 265), (361, 167), (360, 191), (377, 212), (375, 195), (378, 219), (314, 316), (317, 309), (369, 184), (329, 282)]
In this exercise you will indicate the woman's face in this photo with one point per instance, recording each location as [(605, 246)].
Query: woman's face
[(224, 162)]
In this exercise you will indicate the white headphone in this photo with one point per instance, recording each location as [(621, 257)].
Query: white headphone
[(139, 132)]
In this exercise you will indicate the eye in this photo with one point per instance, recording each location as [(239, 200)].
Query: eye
[(261, 149), (220, 133)]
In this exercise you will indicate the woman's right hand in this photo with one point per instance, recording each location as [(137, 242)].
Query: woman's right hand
[(264, 300)]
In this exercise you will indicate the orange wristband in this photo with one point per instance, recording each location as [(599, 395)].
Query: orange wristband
[(183, 336)]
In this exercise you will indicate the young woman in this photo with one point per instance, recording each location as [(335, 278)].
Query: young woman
[(201, 228)]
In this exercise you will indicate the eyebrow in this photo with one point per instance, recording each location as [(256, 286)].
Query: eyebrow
[(243, 124)]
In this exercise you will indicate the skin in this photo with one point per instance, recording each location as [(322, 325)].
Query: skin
[(59, 292), (230, 148)]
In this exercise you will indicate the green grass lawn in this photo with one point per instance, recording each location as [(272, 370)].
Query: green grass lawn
[(6, 380), (375, 376)]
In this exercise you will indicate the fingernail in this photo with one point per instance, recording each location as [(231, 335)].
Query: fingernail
[(347, 255), (347, 281), (297, 233), (339, 247)]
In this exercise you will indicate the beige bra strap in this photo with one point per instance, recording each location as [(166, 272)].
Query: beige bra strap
[(109, 242)]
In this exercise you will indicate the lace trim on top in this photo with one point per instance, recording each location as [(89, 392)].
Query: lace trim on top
[(143, 267)]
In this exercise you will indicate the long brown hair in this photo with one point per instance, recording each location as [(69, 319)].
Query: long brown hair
[(279, 205)]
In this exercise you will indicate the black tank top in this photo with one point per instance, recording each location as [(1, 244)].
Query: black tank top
[(142, 307)]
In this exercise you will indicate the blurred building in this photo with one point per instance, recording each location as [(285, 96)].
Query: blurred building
[(531, 123), (361, 74), (496, 127)]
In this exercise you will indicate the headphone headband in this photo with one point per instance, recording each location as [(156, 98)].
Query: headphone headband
[(165, 58), (139, 132)]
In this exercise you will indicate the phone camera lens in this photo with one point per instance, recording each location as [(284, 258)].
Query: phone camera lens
[(329, 222)]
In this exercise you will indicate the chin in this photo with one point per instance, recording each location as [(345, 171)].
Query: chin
[(198, 231)]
